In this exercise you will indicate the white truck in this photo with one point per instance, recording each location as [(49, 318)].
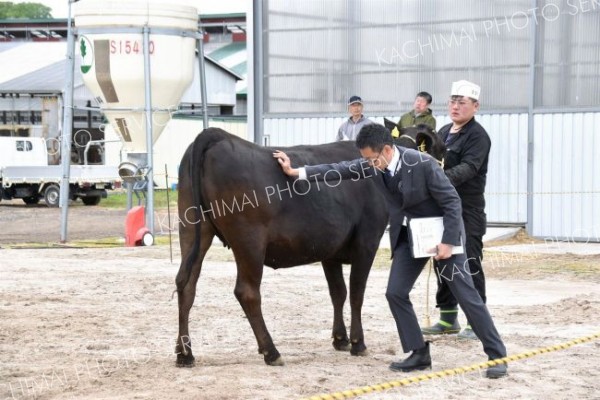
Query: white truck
[(25, 174)]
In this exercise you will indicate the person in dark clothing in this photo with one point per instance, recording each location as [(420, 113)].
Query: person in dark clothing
[(415, 186), (466, 163)]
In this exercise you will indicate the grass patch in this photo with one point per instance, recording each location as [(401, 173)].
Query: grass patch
[(118, 199), (159, 240), (382, 258)]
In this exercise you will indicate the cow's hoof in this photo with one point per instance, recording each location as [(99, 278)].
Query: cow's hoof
[(273, 358), (342, 344), (361, 353), (185, 361), (358, 349), (276, 363)]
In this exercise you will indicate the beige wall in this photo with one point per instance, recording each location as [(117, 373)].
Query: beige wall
[(170, 146)]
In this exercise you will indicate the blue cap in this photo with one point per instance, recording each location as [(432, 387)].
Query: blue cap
[(355, 99)]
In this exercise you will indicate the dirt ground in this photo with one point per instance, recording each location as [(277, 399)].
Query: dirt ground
[(99, 323)]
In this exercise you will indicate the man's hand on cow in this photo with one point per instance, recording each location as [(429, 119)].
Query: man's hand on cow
[(285, 163)]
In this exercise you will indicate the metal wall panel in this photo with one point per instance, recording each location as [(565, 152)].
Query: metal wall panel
[(319, 53), (566, 183), (506, 188), (283, 132), (568, 54)]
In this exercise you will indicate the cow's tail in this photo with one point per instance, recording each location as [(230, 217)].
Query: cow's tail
[(203, 142)]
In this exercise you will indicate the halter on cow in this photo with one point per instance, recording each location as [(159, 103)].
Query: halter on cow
[(421, 137)]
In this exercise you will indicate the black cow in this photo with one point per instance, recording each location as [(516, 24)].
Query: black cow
[(236, 190)]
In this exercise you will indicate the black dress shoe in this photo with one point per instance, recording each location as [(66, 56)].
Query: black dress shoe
[(496, 371), (419, 360)]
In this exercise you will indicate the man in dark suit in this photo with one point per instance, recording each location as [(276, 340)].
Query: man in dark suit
[(415, 186)]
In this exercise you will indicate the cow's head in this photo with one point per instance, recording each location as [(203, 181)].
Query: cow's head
[(421, 137)]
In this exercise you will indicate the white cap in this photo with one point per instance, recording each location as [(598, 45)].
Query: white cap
[(465, 88)]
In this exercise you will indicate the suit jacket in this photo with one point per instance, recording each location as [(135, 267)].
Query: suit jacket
[(423, 190)]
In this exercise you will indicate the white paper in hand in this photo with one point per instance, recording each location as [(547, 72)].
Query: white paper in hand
[(426, 234)]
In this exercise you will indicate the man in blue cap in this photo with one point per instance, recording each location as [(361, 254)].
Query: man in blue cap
[(350, 128)]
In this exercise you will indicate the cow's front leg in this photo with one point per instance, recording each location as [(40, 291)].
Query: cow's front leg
[(247, 292), (337, 292)]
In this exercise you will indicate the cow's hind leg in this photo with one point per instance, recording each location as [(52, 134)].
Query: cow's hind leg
[(187, 292), (247, 291), (337, 292)]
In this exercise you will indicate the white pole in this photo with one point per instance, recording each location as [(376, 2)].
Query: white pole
[(150, 174), (202, 72), (67, 130)]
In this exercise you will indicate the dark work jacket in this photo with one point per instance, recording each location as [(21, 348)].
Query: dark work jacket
[(466, 162), (423, 190)]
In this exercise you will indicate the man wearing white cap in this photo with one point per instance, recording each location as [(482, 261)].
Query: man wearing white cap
[(350, 128), (468, 147)]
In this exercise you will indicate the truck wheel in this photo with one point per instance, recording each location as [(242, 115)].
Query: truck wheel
[(91, 200), (52, 196), (31, 199)]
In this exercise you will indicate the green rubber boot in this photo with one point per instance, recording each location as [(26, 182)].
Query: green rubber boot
[(447, 324)]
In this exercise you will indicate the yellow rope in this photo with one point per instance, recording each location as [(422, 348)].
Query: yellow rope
[(540, 193), (346, 394)]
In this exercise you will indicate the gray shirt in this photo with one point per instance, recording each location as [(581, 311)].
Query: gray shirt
[(349, 129)]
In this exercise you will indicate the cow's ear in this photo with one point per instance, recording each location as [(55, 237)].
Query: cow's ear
[(423, 142), (432, 144)]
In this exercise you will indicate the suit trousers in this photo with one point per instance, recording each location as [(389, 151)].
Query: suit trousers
[(475, 221), (454, 270)]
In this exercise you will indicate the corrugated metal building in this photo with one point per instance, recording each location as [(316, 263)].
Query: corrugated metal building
[(537, 61)]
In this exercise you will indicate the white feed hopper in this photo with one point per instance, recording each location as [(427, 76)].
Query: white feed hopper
[(111, 46)]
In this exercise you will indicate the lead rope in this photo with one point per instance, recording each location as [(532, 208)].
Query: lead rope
[(427, 321)]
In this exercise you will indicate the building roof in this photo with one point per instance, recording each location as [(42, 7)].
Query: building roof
[(40, 67), (33, 29), (20, 58), (230, 71), (234, 56), (222, 16), (46, 80)]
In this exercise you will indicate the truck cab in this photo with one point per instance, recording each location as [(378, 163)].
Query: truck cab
[(23, 151), (25, 174)]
